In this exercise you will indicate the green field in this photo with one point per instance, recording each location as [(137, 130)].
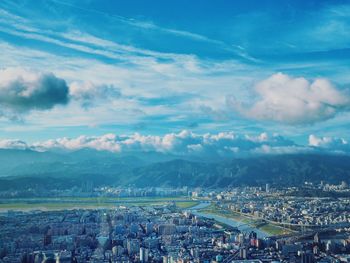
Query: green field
[(274, 230), (52, 206), (96, 199), (26, 204), (185, 205)]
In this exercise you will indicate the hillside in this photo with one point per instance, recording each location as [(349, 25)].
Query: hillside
[(29, 169)]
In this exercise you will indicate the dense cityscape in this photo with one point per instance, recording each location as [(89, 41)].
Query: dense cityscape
[(249, 224)]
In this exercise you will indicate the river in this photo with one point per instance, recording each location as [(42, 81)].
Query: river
[(227, 221)]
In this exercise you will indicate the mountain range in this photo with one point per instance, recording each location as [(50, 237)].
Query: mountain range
[(22, 169)]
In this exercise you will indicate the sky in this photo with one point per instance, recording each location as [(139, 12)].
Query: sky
[(101, 69)]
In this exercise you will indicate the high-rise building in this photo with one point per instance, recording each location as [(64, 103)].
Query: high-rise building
[(47, 239), (243, 253), (149, 228), (253, 235), (133, 246), (143, 254), (240, 238), (317, 238), (307, 257), (166, 229)]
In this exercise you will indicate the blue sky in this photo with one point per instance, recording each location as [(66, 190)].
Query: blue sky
[(72, 68)]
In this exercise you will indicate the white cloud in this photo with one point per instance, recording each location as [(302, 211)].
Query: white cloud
[(22, 91), (106, 142), (284, 99), (187, 143), (89, 93), (329, 143), (268, 149), (13, 144), (182, 143)]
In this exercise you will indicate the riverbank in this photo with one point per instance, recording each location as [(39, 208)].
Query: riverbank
[(267, 228)]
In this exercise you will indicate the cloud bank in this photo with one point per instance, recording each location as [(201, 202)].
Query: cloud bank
[(294, 101), (329, 143), (187, 143), (22, 91), (13, 144), (184, 143)]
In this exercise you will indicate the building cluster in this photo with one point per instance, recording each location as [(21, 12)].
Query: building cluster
[(169, 234), (140, 192), (134, 234), (288, 210), (161, 234)]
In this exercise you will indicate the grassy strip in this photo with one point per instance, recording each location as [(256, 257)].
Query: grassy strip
[(53, 206), (185, 205), (26, 206), (95, 199), (274, 230), (46, 204)]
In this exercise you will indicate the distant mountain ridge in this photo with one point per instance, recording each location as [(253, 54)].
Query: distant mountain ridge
[(20, 169)]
